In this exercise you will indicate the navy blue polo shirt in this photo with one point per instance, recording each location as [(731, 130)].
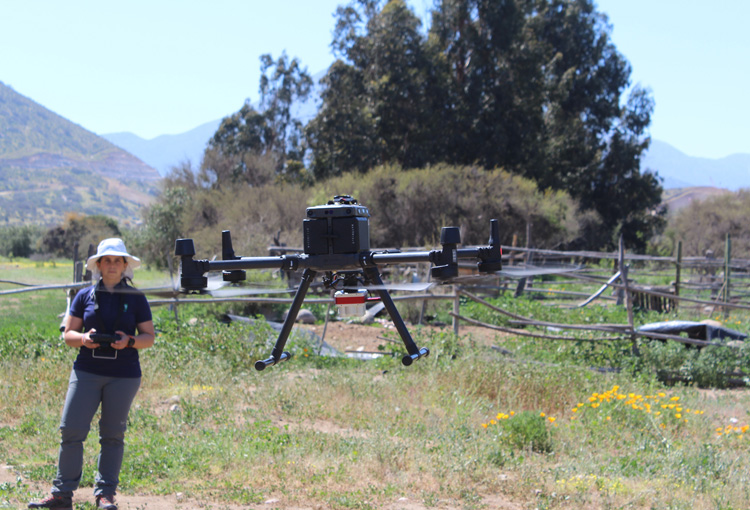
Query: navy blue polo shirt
[(120, 310)]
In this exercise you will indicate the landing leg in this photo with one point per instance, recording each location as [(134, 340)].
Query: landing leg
[(415, 352), (278, 355)]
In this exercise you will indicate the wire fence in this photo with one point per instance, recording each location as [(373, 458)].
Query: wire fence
[(665, 284)]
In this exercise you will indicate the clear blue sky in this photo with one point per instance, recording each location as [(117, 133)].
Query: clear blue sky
[(166, 66)]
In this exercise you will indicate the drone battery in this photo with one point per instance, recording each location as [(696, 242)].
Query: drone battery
[(315, 233), (350, 304), (350, 235)]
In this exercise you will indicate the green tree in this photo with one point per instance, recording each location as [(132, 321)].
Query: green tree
[(532, 86), (254, 146), (282, 83), (342, 135), (19, 241), (381, 100), (539, 88), (163, 224), (494, 79), (81, 230)]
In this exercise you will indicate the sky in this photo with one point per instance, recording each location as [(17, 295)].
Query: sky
[(154, 67)]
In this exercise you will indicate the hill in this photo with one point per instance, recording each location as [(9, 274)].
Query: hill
[(677, 198), (677, 169), (681, 171), (167, 151), (50, 166)]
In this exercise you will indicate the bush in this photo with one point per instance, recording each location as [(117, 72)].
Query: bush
[(710, 366), (409, 207), (19, 241), (526, 430), (704, 224)]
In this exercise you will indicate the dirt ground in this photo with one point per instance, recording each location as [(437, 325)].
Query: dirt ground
[(351, 337), (180, 502), (346, 338)]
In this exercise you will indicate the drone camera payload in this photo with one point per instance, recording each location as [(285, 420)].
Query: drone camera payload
[(337, 242), (351, 303)]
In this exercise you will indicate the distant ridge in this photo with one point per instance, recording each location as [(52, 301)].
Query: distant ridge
[(167, 151), (681, 171), (677, 169), (677, 198), (50, 166)]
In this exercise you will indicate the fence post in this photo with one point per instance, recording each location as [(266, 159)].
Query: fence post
[(522, 281), (623, 272), (678, 268), (75, 262), (456, 311), (727, 263), (171, 279), (628, 297)]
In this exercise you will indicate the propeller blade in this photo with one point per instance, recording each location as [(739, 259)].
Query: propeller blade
[(524, 271), (415, 287), (162, 293), (235, 292), (215, 282)]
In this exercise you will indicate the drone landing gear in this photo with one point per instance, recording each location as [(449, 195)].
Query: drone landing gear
[(415, 352), (278, 354)]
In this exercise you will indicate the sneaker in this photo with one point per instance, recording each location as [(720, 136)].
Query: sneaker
[(106, 503), (54, 501)]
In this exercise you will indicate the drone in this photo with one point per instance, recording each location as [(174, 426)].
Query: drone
[(337, 244)]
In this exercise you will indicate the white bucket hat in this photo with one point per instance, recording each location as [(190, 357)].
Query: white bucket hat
[(116, 248)]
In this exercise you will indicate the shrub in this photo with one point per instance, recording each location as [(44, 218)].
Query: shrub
[(526, 430)]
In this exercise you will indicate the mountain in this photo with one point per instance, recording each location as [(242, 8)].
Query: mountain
[(676, 168), (50, 166), (681, 171), (167, 151), (677, 198)]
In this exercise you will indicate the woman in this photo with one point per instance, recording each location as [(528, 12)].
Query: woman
[(109, 375)]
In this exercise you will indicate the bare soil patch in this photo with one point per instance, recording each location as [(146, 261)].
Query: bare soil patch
[(180, 501), (353, 337)]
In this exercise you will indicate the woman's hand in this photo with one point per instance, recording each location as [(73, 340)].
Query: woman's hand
[(122, 343), (86, 340)]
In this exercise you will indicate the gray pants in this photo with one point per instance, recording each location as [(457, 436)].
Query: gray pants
[(85, 392)]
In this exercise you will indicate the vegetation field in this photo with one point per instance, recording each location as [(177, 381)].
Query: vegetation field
[(517, 423)]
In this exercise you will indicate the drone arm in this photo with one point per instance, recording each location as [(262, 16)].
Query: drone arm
[(192, 270), (280, 262), (489, 258), (399, 258)]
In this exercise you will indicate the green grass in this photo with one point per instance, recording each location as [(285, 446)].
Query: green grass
[(460, 427)]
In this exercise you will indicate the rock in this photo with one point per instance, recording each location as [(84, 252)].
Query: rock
[(304, 316)]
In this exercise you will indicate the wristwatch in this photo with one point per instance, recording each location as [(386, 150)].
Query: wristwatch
[(131, 342)]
